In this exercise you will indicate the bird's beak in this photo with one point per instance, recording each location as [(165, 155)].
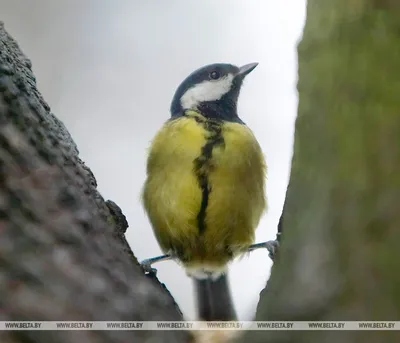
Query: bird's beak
[(246, 69)]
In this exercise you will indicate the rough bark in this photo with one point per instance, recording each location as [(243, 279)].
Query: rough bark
[(340, 255), (63, 253)]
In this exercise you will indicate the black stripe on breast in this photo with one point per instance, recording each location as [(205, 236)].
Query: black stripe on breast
[(203, 164)]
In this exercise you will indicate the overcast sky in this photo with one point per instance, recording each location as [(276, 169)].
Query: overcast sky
[(109, 69)]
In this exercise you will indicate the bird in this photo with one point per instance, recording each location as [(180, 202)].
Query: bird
[(205, 186)]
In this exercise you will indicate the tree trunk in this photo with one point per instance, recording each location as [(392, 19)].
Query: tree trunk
[(340, 250), (63, 253)]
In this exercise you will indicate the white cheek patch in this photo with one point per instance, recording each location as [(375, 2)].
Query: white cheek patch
[(206, 91)]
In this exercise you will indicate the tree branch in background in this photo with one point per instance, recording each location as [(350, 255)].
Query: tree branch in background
[(63, 253), (340, 249)]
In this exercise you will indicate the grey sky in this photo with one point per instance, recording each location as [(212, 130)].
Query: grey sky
[(109, 69)]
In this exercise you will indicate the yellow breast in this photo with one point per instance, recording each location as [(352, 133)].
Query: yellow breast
[(183, 161)]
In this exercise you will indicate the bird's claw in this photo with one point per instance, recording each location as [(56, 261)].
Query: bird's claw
[(271, 246), (148, 269), (147, 264)]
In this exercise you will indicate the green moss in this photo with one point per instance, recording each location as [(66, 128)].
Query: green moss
[(344, 194)]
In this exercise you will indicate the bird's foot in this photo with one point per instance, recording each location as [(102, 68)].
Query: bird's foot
[(271, 246), (147, 268), (147, 263)]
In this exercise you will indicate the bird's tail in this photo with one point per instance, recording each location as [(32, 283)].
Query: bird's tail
[(214, 300)]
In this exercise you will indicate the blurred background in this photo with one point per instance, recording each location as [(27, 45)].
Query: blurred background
[(109, 69)]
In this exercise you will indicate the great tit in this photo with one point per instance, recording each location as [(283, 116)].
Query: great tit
[(204, 192)]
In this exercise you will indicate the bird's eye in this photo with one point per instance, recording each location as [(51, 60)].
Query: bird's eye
[(214, 75)]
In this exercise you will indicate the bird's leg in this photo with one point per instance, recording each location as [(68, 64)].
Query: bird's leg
[(147, 263), (271, 246)]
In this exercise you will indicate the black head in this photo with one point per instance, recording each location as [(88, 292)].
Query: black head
[(213, 90)]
